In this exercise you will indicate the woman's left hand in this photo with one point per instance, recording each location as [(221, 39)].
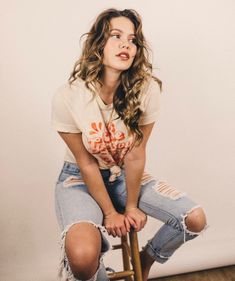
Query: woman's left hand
[(136, 218)]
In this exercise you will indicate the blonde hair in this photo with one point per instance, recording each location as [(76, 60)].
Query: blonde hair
[(89, 68)]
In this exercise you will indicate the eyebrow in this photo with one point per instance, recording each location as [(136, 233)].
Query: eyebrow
[(120, 31)]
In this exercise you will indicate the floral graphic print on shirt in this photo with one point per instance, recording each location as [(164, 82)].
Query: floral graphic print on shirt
[(108, 143)]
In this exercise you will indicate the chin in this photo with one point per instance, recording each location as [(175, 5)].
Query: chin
[(122, 68), (118, 67)]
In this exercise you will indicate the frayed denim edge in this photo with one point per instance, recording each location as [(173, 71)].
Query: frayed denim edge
[(64, 270)]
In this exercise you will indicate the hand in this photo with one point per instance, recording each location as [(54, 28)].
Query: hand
[(115, 224), (136, 218)]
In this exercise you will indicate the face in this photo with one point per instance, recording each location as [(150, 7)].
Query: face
[(120, 48)]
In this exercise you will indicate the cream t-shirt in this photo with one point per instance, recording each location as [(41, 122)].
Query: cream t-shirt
[(75, 109)]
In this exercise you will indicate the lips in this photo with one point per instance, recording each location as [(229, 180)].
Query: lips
[(123, 55)]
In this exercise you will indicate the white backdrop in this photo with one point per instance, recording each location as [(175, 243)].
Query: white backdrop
[(192, 146)]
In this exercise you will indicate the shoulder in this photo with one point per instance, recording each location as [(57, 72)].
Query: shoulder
[(151, 85), (151, 90), (73, 92)]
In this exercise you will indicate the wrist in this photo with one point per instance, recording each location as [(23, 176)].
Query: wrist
[(110, 212), (129, 208)]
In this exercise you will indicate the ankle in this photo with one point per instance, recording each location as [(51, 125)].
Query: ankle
[(147, 259)]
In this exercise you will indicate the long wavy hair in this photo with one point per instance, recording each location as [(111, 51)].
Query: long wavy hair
[(89, 67)]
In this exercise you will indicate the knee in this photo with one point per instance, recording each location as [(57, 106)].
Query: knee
[(83, 261), (196, 220), (82, 247)]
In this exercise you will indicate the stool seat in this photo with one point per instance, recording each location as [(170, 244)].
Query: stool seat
[(130, 258)]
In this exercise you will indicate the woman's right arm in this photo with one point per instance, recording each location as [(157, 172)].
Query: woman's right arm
[(114, 222)]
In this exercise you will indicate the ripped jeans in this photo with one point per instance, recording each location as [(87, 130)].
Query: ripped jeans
[(158, 199)]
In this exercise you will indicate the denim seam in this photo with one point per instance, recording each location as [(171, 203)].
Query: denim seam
[(170, 239), (157, 253), (61, 215)]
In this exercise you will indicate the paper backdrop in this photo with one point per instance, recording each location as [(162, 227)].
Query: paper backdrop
[(192, 146)]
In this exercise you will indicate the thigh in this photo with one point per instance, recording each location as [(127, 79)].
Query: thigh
[(117, 192), (157, 198), (73, 203), (163, 201)]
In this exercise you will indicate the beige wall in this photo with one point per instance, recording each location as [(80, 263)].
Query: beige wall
[(192, 146)]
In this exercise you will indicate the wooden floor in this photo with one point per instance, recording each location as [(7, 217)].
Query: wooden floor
[(217, 274)]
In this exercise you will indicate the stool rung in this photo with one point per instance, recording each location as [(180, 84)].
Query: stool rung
[(115, 247), (120, 274)]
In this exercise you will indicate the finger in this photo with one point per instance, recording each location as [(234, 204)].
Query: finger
[(142, 225), (127, 224), (123, 230), (108, 230), (145, 221), (131, 221), (118, 232), (142, 222), (113, 233), (138, 223)]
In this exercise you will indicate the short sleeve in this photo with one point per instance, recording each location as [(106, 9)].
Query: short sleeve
[(61, 116), (151, 103)]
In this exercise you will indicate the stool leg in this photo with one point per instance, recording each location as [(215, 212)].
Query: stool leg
[(125, 256), (135, 255)]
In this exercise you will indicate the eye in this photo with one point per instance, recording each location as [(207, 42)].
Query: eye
[(133, 40), (115, 35)]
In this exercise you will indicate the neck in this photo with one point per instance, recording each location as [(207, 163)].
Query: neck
[(110, 80)]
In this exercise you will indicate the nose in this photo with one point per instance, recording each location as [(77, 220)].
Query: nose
[(124, 44)]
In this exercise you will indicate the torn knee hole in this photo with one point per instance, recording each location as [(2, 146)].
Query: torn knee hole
[(168, 191), (195, 220), (65, 272)]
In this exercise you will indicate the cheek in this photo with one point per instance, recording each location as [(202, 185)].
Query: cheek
[(134, 52), (108, 50), (105, 50)]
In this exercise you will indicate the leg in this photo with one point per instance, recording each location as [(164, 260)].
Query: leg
[(83, 247), (184, 220), (195, 222), (80, 218), (182, 217)]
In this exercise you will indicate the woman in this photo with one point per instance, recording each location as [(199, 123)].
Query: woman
[(105, 115)]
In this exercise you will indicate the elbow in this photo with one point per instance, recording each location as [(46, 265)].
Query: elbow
[(86, 164), (136, 155)]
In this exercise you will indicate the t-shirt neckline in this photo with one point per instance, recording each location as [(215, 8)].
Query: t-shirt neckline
[(102, 104)]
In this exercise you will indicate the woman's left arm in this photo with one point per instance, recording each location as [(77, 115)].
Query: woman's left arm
[(134, 164)]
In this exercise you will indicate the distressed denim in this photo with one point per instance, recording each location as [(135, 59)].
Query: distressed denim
[(74, 204)]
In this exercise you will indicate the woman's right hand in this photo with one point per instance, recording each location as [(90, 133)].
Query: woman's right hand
[(116, 224)]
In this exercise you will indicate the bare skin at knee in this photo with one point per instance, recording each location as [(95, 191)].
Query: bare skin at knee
[(83, 247), (196, 220)]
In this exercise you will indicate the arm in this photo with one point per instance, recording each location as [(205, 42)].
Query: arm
[(134, 164), (90, 171), (65, 123), (89, 168)]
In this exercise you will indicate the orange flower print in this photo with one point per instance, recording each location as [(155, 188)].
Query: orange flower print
[(107, 143), (119, 135), (121, 145), (96, 128)]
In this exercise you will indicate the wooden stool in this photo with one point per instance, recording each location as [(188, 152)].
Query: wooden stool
[(129, 251)]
